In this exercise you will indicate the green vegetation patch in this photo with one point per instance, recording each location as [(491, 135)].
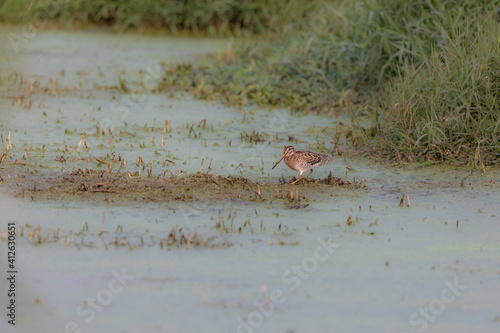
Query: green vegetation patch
[(342, 58), (426, 70), (221, 17), (450, 109)]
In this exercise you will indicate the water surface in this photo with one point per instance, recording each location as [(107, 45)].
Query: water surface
[(389, 272)]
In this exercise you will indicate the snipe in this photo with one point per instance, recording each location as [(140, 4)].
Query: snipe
[(302, 160)]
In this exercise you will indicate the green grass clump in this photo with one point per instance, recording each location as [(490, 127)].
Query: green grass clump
[(449, 109), (250, 74), (344, 53), (220, 17)]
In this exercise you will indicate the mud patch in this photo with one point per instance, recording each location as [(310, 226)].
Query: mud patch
[(99, 185)]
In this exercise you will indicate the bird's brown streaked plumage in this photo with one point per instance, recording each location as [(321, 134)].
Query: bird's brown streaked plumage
[(302, 160)]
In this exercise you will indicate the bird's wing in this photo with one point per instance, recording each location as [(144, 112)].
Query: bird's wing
[(312, 158)]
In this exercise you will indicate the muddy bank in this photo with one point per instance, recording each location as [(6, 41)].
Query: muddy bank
[(100, 185)]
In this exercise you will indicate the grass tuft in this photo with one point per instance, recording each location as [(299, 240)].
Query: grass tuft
[(449, 109)]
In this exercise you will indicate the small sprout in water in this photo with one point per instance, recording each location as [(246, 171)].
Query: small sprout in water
[(405, 201), (350, 221)]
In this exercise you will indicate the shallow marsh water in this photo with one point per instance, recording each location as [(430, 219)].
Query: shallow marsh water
[(389, 272)]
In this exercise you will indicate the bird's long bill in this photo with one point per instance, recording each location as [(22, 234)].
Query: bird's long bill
[(282, 157)]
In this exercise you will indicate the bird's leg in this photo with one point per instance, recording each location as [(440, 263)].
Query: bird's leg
[(300, 177), (309, 174)]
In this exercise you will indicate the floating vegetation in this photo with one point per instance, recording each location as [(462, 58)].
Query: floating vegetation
[(253, 137), (214, 233), (350, 222), (119, 238)]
